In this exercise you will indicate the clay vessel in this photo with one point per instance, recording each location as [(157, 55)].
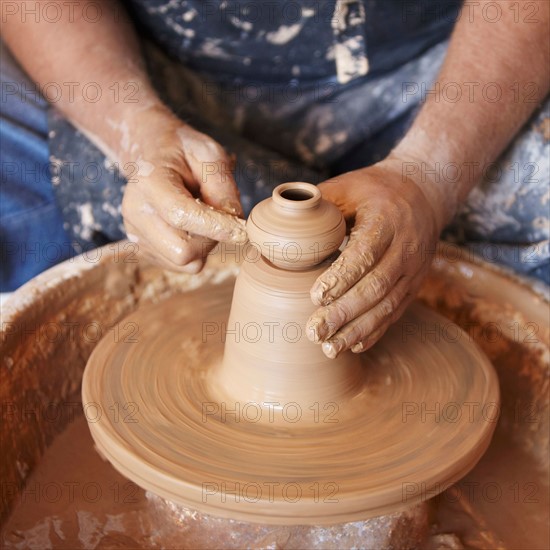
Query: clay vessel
[(268, 359), (295, 228)]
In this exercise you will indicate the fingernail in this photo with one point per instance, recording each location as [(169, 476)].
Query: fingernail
[(319, 292), (194, 267), (231, 207), (358, 348), (368, 342), (332, 349), (311, 332), (316, 330), (239, 235)]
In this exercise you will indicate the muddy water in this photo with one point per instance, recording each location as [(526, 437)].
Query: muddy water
[(76, 500)]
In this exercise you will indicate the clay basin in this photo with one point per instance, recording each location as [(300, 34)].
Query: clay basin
[(58, 493)]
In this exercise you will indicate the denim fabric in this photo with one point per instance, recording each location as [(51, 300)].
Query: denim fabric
[(32, 237), (276, 41), (506, 217)]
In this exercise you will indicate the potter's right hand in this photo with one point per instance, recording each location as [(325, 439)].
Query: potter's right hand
[(182, 197)]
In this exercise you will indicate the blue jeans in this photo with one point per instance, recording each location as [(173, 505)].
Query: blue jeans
[(32, 237)]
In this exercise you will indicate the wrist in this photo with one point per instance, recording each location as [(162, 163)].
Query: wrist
[(120, 126), (440, 164), (139, 135), (423, 174)]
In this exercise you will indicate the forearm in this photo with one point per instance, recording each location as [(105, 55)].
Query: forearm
[(95, 63), (499, 73)]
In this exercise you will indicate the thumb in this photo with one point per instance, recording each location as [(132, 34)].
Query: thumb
[(212, 170), (217, 185)]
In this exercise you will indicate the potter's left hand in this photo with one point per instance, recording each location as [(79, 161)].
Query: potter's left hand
[(382, 266)]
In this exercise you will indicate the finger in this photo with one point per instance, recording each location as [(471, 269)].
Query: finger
[(183, 212), (366, 343), (369, 239), (147, 252), (366, 293), (218, 187), (360, 328), (213, 169), (377, 334), (194, 216), (177, 248)]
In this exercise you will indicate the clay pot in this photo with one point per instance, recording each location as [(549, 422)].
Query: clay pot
[(268, 357), (296, 228)]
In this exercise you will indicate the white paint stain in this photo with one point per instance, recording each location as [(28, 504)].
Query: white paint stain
[(123, 130), (211, 48), (323, 144), (189, 15), (180, 29), (86, 215), (284, 34), (349, 54), (350, 62), (326, 141), (55, 168), (542, 224), (163, 8), (146, 208), (110, 209), (114, 523), (487, 208), (244, 25)]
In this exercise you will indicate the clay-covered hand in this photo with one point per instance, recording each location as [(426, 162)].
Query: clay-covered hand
[(368, 287), (181, 197)]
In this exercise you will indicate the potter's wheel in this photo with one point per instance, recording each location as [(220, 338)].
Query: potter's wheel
[(99, 289), (422, 418)]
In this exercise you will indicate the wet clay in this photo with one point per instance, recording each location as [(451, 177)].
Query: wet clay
[(268, 357), (316, 441), (296, 229)]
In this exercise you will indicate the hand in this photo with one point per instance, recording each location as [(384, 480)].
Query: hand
[(183, 197), (378, 273)]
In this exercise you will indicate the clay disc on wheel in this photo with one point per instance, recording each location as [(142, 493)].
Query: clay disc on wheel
[(423, 418)]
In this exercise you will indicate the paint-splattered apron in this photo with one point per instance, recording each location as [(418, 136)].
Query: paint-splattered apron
[(302, 90)]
